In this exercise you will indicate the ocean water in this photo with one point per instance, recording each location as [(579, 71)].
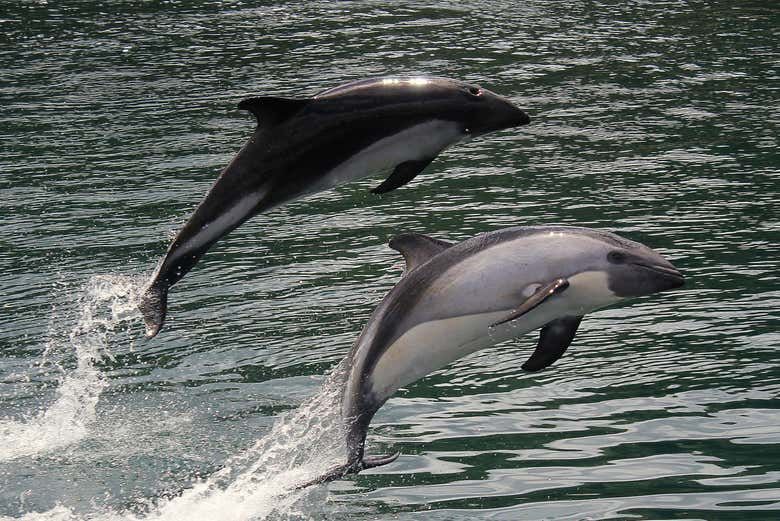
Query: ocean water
[(656, 120)]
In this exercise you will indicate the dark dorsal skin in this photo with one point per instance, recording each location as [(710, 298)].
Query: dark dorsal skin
[(299, 143)]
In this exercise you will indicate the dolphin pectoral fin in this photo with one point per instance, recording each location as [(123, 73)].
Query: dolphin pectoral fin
[(417, 248), (153, 306), (540, 295), (354, 467), (402, 174), (272, 110), (554, 339)]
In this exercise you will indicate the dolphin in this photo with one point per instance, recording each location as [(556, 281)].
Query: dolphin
[(455, 299), (302, 146)]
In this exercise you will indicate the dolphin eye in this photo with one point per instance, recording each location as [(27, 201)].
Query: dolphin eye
[(616, 257)]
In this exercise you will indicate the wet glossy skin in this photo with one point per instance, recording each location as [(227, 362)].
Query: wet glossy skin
[(448, 306), (341, 134)]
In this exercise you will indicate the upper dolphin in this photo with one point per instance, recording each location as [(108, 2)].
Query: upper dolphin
[(302, 146), (455, 299)]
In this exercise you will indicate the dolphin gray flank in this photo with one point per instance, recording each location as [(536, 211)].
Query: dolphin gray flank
[(455, 299), (302, 146)]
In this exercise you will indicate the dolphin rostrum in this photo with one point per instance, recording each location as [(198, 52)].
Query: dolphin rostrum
[(455, 299), (302, 146)]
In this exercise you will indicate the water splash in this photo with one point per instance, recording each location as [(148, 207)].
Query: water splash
[(103, 306), (259, 483), (256, 484)]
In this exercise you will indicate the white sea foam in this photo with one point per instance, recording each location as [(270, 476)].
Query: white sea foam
[(103, 306), (259, 483), (255, 484)]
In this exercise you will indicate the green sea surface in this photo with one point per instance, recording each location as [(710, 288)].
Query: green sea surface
[(656, 120)]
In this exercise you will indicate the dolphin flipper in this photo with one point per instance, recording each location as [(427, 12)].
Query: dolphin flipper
[(153, 307), (402, 174), (543, 293), (355, 467), (555, 338)]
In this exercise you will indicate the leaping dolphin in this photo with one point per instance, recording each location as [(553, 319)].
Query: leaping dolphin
[(302, 146), (455, 299)]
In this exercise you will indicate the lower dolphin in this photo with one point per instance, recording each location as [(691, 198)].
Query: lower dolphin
[(455, 299)]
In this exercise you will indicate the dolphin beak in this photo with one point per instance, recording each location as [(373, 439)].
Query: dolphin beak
[(513, 117), (516, 116), (494, 113), (667, 275), (508, 116), (521, 118)]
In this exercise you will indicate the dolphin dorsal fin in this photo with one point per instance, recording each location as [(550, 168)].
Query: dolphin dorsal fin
[(417, 248), (270, 110)]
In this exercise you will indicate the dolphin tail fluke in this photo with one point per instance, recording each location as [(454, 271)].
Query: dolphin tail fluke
[(378, 461), (340, 471), (153, 306)]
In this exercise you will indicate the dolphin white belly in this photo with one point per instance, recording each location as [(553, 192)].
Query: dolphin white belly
[(427, 347), (432, 345), (222, 223), (415, 143)]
